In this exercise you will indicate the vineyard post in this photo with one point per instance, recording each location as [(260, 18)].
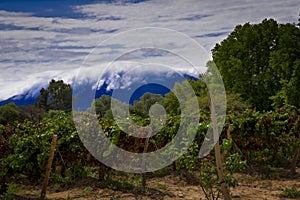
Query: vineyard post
[(144, 152), (224, 188), (49, 164)]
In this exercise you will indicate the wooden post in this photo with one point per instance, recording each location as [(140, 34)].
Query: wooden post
[(48, 169), (147, 131), (224, 188)]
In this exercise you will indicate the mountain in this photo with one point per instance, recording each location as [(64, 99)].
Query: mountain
[(30, 96), (20, 100)]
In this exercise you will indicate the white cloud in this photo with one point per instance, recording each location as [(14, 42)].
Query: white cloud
[(33, 49)]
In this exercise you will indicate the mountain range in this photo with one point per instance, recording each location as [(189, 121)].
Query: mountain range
[(30, 96)]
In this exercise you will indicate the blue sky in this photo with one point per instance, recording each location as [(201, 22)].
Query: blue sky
[(41, 40)]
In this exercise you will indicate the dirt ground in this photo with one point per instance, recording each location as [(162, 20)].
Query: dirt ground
[(167, 187)]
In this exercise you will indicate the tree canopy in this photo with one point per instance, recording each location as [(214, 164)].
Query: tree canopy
[(146, 101), (58, 96), (260, 61), (9, 113)]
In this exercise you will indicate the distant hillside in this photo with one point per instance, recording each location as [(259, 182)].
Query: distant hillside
[(20, 100), (30, 96)]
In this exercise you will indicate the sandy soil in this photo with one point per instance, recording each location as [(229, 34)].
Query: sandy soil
[(168, 187)]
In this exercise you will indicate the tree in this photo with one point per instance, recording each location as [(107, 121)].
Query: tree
[(58, 96), (9, 113), (142, 106), (259, 60), (285, 61), (32, 112), (102, 105), (171, 103)]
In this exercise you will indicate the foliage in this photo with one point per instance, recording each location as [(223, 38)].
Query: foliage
[(141, 107), (171, 104), (181, 96), (32, 113), (260, 61), (146, 101), (117, 184), (9, 113), (266, 138), (58, 96), (102, 105), (13, 188), (205, 169), (28, 144), (260, 138), (235, 103), (285, 61), (291, 192)]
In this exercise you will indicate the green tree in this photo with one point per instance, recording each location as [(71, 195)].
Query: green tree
[(58, 96), (285, 62), (171, 104), (261, 62), (32, 112), (102, 105), (243, 61), (142, 106), (9, 113)]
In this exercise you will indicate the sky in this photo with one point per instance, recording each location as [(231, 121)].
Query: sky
[(42, 40)]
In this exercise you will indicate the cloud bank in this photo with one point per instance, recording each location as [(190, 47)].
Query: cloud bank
[(36, 48)]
